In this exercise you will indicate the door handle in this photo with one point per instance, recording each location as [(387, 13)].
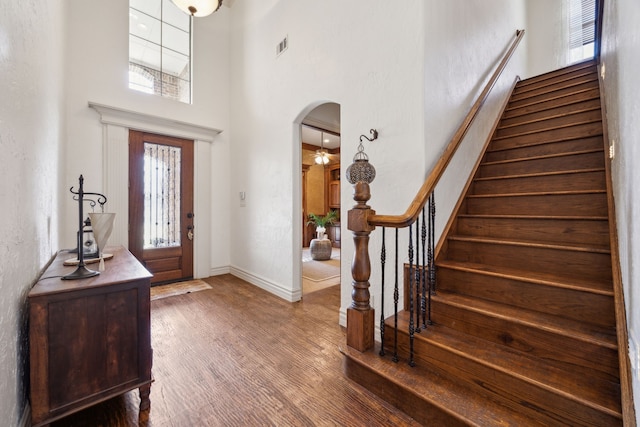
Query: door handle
[(190, 232)]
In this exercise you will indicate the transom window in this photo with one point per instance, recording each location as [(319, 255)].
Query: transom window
[(160, 49)]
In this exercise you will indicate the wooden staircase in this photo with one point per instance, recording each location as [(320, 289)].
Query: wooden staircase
[(524, 326)]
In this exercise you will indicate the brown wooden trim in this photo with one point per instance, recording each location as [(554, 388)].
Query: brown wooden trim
[(309, 147), (598, 35), (626, 377), (453, 217), (404, 220), (321, 129)]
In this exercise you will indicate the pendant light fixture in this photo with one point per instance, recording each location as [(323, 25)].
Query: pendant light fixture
[(198, 8)]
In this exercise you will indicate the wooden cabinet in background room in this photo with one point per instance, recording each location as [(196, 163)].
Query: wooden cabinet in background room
[(90, 339), (333, 232), (332, 181)]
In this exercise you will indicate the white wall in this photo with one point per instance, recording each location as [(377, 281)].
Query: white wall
[(353, 53), (621, 45), (409, 70), (548, 35), (31, 140), (97, 69), (463, 43)]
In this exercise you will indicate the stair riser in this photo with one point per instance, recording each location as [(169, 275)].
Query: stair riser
[(591, 204), (567, 91), (526, 85), (553, 113), (531, 400), (538, 107), (563, 263), (577, 305), (551, 123), (570, 146), (588, 232), (576, 354), (585, 181), (573, 132), (521, 93)]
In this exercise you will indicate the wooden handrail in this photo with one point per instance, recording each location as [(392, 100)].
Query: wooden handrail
[(406, 219)]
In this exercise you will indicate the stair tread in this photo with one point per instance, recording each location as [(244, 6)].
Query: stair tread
[(536, 193), (588, 333), (554, 95), (537, 174), (559, 72), (547, 117), (526, 85), (491, 149), (590, 390), (437, 388), (603, 249), (535, 131), (539, 106), (541, 278), (541, 157), (550, 217), (520, 94)]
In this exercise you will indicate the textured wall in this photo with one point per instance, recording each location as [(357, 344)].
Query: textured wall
[(621, 45), (31, 140)]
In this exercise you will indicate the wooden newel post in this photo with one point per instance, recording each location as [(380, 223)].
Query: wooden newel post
[(360, 315)]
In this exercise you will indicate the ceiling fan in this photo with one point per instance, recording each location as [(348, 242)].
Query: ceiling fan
[(323, 156)]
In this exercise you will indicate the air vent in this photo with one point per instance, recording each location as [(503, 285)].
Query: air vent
[(282, 46)]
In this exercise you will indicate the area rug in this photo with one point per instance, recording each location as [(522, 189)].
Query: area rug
[(319, 271), (178, 288)]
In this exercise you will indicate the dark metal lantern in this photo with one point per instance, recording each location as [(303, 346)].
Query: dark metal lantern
[(89, 245), (361, 170)]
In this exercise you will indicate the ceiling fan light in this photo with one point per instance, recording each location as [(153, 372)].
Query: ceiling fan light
[(321, 157), (198, 8)]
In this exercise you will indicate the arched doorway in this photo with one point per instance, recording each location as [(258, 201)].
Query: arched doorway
[(320, 186)]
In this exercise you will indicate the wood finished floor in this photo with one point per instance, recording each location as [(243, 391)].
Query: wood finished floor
[(236, 355)]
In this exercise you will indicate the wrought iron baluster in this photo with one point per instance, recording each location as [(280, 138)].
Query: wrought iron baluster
[(396, 296), (431, 254), (383, 259), (432, 267), (410, 290), (423, 301), (417, 279)]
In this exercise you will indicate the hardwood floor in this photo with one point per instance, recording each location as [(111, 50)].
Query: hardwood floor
[(236, 355)]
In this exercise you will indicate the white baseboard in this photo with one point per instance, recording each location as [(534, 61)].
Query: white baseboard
[(218, 271), (267, 285), (25, 419)]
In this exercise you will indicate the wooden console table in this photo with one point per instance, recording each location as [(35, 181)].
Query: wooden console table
[(90, 339)]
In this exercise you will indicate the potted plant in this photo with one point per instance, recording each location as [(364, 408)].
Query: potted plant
[(320, 247), (321, 222)]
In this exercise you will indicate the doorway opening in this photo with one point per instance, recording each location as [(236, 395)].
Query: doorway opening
[(320, 139)]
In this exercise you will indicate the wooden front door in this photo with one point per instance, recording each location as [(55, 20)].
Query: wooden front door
[(161, 205)]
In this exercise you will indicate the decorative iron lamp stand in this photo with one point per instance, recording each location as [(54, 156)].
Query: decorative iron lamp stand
[(82, 272)]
